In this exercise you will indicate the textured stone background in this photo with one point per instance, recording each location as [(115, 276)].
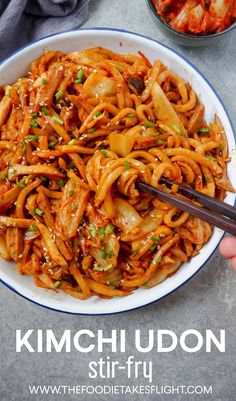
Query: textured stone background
[(208, 301)]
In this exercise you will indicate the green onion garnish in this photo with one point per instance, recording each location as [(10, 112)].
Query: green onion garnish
[(153, 247), (97, 114), (145, 207), (103, 254), (71, 165), (102, 268), (34, 115), (130, 115), (61, 183), (135, 253), (126, 164), (72, 142), (159, 142), (110, 253), (82, 221), (62, 102), (57, 284), (113, 286), (80, 77), (75, 241), (104, 153), (52, 144), (203, 130), (159, 259), (32, 228), (57, 120), (44, 81), (38, 211), (33, 123), (148, 123), (71, 193), (7, 92), (2, 176), (59, 94), (44, 110), (109, 229), (21, 184), (91, 130), (42, 178), (155, 239), (102, 232), (32, 138)]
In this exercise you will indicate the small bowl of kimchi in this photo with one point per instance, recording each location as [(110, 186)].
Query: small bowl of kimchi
[(194, 22)]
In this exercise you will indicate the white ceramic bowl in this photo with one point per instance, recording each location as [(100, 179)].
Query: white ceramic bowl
[(119, 41)]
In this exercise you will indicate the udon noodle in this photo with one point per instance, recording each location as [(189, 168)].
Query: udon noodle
[(76, 133)]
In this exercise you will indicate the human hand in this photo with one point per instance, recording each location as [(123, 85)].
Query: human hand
[(228, 250)]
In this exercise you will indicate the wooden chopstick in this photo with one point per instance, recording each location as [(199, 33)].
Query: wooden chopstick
[(211, 217), (205, 200)]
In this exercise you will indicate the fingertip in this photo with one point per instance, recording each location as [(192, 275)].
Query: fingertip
[(228, 248)]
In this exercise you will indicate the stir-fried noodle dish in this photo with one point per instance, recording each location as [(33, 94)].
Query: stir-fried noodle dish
[(76, 134)]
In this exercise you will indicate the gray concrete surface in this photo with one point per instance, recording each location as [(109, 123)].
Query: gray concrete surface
[(208, 301)]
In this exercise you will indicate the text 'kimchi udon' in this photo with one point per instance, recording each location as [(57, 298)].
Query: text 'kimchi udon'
[(76, 134)]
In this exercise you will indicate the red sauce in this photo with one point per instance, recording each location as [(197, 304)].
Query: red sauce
[(197, 16)]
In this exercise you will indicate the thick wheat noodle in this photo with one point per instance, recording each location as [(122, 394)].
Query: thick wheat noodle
[(75, 136)]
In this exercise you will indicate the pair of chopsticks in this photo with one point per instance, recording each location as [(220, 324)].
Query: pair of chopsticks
[(215, 212)]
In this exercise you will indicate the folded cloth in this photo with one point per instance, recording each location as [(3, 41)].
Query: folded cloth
[(22, 21)]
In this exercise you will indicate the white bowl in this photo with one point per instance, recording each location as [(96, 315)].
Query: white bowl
[(122, 42)]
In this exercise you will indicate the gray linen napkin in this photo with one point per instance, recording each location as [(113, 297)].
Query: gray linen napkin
[(22, 21)]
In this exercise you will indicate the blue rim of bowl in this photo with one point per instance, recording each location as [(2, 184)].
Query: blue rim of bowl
[(188, 35), (231, 125)]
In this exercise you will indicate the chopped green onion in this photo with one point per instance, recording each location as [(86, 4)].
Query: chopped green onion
[(61, 183), (32, 138), (130, 115), (38, 211), (145, 207), (62, 101), (59, 94), (159, 259), (44, 110), (32, 227), (126, 164), (71, 193), (135, 253), (155, 239), (72, 142), (104, 153), (109, 229), (113, 286), (42, 178), (153, 247), (57, 284), (57, 120), (71, 165), (102, 232), (103, 254), (27, 180), (101, 147), (91, 130), (7, 92), (92, 230), (34, 115), (102, 268), (80, 77), (21, 184), (33, 123), (159, 142), (97, 114), (148, 123), (177, 129), (52, 144), (44, 81), (75, 241), (203, 130), (110, 253), (2, 176), (210, 157)]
